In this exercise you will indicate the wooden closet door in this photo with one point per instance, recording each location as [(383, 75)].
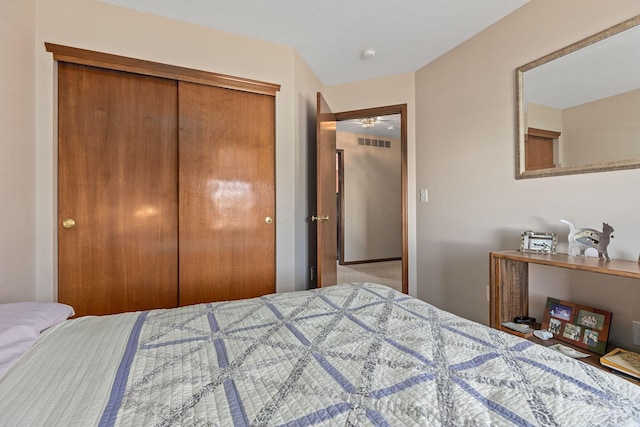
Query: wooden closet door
[(226, 194), (117, 179)]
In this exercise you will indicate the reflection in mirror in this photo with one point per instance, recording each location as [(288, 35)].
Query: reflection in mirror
[(579, 107)]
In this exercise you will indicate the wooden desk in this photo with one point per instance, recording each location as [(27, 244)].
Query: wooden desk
[(509, 287), (509, 278)]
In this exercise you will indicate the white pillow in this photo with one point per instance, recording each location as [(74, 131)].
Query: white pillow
[(21, 324)]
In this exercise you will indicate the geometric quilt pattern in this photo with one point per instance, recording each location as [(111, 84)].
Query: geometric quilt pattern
[(358, 355)]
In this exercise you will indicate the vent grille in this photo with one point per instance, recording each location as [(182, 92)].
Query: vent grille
[(380, 143)]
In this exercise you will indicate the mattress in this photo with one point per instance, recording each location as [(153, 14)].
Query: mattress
[(359, 354)]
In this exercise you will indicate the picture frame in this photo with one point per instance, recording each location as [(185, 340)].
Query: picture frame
[(540, 243), (578, 325)]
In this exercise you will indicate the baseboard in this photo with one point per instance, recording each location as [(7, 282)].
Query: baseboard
[(367, 261)]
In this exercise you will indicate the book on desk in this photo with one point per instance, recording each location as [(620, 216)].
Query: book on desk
[(623, 361), (519, 329)]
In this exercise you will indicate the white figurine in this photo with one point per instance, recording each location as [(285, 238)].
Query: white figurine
[(585, 238)]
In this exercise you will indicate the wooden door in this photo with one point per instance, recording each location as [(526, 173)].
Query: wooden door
[(226, 194), (327, 229), (539, 149), (117, 157)]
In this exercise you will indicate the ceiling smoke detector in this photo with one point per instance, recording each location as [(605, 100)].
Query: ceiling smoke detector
[(368, 53)]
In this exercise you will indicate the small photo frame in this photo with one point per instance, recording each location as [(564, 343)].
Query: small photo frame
[(584, 327), (540, 243)]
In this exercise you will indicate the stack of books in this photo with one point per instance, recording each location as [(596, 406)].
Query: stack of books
[(624, 362)]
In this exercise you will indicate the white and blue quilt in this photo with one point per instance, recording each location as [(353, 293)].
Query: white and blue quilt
[(346, 355)]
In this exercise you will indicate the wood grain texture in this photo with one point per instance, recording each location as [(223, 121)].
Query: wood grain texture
[(327, 245), (509, 278), (155, 69), (117, 179), (509, 290), (226, 190)]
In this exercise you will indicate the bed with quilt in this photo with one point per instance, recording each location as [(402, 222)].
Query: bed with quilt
[(358, 354)]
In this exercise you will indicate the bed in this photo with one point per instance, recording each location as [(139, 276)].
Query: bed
[(358, 354)]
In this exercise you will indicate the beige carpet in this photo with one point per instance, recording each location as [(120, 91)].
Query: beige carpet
[(385, 273)]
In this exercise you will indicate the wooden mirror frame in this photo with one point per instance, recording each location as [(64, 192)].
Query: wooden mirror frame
[(521, 172)]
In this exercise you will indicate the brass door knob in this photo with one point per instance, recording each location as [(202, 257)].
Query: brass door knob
[(268, 220), (68, 223)]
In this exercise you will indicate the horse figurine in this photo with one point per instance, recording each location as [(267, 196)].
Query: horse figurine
[(585, 238)]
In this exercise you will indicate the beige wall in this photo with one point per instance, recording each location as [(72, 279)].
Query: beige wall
[(465, 155), (606, 130), (97, 26), (392, 90), (547, 118), (372, 199), (17, 148)]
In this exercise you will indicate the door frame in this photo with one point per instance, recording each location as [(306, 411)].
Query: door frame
[(386, 111)]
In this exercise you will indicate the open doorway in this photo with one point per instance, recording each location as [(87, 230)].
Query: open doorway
[(370, 159)]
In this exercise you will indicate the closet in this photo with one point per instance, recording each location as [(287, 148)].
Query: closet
[(166, 184)]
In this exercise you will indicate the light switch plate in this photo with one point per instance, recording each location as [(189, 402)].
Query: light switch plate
[(424, 196)]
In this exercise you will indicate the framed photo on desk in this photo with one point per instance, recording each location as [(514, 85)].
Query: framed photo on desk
[(584, 327)]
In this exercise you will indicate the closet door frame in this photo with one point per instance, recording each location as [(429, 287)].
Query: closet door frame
[(180, 74), (156, 69)]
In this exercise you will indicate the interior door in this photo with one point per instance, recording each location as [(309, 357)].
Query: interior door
[(117, 191), (326, 210), (226, 194), (539, 153)]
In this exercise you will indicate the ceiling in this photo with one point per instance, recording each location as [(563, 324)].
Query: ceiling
[(384, 127), (330, 35), (603, 69)]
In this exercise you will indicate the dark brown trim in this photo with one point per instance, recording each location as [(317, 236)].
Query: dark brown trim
[(340, 154), (550, 134), (385, 111), (149, 68), (369, 261)]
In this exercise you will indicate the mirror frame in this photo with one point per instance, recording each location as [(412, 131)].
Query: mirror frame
[(521, 173)]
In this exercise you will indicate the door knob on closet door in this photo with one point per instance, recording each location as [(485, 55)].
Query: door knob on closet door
[(268, 220), (68, 223)]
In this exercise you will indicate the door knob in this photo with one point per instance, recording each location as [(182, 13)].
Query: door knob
[(268, 220), (68, 223), (320, 218)]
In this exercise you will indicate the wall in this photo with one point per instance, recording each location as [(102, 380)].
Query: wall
[(588, 133), (103, 27), (465, 156), (17, 145), (372, 199), (392, 90), (546, 118)]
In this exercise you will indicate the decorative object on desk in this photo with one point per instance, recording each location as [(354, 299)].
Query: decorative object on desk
[(584, 238), (524, 320), (581, 326), (568, 351), (624, 361), (540, 243), (543, 334)]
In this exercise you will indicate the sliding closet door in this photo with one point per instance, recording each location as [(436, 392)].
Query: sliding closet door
[(226, 194), (117, 180)]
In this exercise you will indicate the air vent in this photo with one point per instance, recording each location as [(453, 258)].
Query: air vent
[(380, 143)]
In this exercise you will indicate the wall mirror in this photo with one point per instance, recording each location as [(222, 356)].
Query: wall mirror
[(578, 109)]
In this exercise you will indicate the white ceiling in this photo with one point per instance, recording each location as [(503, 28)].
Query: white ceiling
[(384, 127), (330, 35), (606, 68)]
